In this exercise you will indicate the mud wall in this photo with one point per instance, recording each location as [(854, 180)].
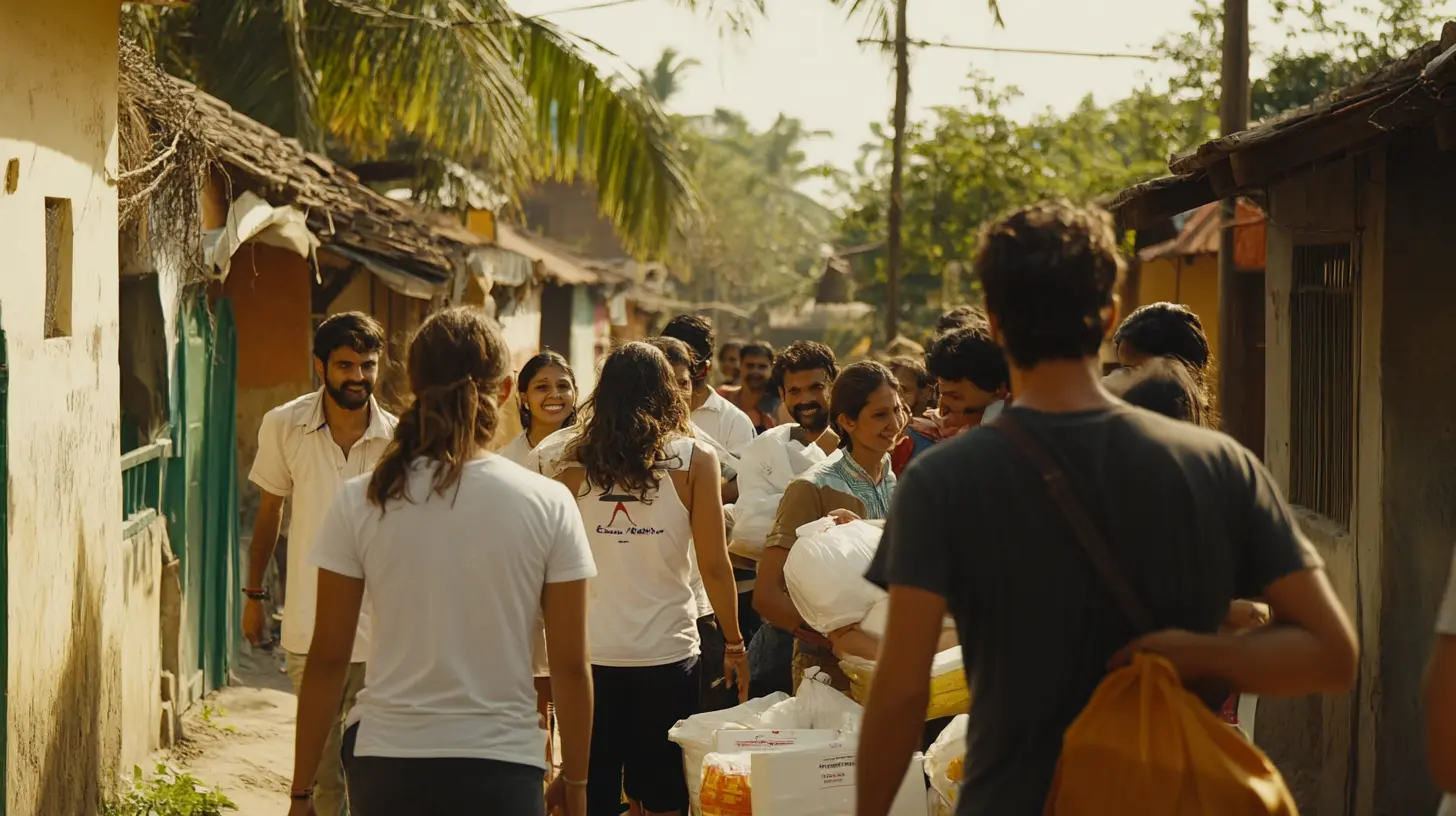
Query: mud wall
[(58, 79)]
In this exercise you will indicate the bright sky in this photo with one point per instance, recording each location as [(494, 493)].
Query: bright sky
[(803, 60)]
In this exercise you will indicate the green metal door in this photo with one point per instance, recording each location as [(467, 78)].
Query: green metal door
[(185, 501), (220, 560)]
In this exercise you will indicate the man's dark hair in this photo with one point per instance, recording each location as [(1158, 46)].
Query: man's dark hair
[(729, 345), (1049, 272), (959, 318), (698, 333), (804, 355), (354, 330), (970, 354), (758, 348), (917, 369), (1166, 330), (676, 351)]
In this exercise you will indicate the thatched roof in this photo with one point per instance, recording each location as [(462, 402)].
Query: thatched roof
[(342, 212), (1400, 94)]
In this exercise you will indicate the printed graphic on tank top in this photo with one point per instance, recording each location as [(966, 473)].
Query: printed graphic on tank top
[(641, 610)]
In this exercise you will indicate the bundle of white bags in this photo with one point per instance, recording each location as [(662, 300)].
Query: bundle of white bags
[(764, 472), (782, 756), (825, 573)]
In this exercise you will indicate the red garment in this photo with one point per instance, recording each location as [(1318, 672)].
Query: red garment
[(1230, 712), (928, 427)]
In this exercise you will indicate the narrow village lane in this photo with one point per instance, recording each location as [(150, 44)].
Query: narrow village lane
[(240, 740)]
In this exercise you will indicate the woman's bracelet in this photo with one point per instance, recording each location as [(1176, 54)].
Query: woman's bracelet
[(735, 648), (572, 783), (302, 795)]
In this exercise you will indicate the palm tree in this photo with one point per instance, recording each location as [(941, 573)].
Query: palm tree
[(664, 80), (464, 81)]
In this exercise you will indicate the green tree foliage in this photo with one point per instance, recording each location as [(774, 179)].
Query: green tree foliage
[(759, 237), (464, 81), (969, 163)]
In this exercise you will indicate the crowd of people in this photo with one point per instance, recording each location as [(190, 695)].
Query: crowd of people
[(451, 609)]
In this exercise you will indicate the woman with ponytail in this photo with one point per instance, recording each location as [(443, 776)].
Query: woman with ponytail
[(457, 550)]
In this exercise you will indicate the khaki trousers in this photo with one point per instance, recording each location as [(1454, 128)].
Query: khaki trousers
[(331, 796)]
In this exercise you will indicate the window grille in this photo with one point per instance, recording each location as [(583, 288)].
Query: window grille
[(1322, 314)]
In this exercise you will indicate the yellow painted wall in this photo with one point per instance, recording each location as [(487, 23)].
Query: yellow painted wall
[(66, 606), (1191, 281)]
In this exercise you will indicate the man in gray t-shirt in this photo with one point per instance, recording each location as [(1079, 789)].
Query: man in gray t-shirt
[(1192, 518)]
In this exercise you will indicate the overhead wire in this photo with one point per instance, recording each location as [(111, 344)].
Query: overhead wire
[(1047, 52)]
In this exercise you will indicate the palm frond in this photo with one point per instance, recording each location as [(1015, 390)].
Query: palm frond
[(305, 85), (449, 85), (731, 16), (617, 139)]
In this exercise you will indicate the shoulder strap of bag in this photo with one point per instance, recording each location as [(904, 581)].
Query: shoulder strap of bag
[(1076, 513)]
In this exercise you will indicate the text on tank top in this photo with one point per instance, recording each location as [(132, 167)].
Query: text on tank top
[(641, 610)]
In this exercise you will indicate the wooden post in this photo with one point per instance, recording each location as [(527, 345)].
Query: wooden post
[(1234, 117), (897, 174)]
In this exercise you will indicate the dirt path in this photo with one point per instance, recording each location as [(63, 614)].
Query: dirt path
[(240, 740)]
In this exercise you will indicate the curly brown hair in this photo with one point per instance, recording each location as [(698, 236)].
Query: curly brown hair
[(635, 411), (457, 361)]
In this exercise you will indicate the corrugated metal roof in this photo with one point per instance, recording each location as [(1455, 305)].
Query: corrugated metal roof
[(1199, 235), (558, 264)]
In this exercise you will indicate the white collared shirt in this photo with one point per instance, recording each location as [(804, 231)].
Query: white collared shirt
[(724, 422), (299, 460)]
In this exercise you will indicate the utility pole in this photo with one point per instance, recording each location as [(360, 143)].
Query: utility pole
[(897, 173), (1233, 117)]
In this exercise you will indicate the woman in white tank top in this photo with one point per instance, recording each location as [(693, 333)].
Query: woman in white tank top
[(647, 492)]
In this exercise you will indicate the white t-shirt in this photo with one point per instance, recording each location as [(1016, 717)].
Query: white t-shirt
[(518, 449), (1446, 625), (724, 422), (299, 460), (457, 584), (642, 611)]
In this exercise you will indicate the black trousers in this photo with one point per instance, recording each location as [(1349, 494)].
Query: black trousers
[(444, 786), (635, 708)]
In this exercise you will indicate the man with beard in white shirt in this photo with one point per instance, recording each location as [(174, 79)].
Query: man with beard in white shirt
[(804, 374), (307, 449)]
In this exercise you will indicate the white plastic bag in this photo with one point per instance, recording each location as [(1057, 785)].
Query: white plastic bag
[(825, 573), (767, 466), (819, 705), (945, 765), (696, 734)]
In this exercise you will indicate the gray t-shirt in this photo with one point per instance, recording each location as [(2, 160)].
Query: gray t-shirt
[(1195, 520)]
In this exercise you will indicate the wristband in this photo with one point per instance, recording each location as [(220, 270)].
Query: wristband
[(302, 795), (735, 648), (255, 594), (572, 783)]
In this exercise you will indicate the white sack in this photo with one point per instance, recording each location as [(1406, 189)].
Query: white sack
[(696, 734), (825, 573), (767, 466), (948, 747)]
